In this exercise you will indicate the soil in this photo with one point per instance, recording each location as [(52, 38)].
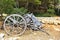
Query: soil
[(53, 30)]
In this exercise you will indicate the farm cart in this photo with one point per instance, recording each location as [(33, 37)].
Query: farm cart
[(16, 24)]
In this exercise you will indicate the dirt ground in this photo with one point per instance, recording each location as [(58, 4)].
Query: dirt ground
[(53, 30)]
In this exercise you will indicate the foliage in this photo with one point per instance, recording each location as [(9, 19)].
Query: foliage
[(32, 1), (6, 6), (49, 13), (20, 11), (38, 2), (45, 15)]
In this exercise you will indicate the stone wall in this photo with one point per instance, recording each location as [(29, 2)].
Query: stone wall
[(50, 20)]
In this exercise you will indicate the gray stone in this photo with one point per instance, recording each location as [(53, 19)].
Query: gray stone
[(2, 36), (49, 20)]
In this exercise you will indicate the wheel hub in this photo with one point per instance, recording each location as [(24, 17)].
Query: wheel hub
[(15, 25)]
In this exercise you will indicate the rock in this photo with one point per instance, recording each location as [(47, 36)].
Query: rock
[(13, 38), (35, 33), (55, 23), (2, 36), (50, 20), (10, 38), (43, 22), (57, 29), (51, 39)]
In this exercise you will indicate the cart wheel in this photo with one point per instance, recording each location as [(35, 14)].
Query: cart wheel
[(15, 25)]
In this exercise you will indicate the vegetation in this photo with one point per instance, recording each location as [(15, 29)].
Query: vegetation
[(38, 7)]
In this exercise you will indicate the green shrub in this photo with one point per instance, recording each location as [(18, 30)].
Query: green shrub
[(6, 6), (44, 14), (50, 11), (20, 11)]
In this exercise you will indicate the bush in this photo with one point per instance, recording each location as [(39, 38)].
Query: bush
[(6, 6), (57, 11), (20, 11), (44, 14)]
